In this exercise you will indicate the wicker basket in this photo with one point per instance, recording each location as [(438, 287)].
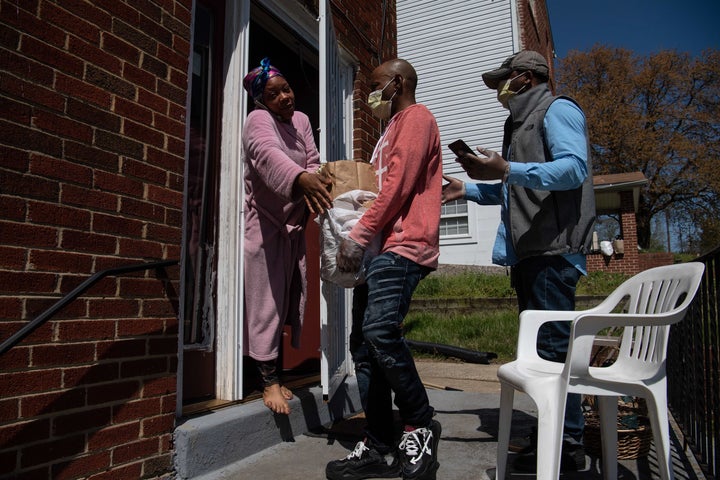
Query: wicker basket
[(634, 433)]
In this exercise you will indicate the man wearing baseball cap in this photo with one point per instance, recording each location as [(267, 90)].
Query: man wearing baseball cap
[(547, 213), (523, 61)]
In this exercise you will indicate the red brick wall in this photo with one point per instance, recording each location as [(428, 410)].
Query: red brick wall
[(92, 122), (629, 261), (535, 31), (600, 263), (658, 259), (359, 29), (92, 141)]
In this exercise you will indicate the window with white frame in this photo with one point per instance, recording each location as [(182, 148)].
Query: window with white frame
[(454, 219)]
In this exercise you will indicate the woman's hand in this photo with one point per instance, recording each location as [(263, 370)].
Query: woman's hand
[(315, 188), (453, 190)]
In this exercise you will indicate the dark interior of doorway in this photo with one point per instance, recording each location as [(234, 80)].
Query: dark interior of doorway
[(298, 62)]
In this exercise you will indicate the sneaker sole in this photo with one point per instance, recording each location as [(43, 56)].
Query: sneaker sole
[(431, 474), (355, 475)]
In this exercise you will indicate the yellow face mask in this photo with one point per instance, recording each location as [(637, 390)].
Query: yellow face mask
[(382, 109), (505, 94)]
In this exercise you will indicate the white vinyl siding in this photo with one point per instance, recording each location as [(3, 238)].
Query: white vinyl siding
[(450, 43)]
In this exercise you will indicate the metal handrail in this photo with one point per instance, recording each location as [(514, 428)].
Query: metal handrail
[(76, 292)]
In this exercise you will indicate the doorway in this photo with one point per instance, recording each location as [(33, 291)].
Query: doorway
[(268, 36), (298, 62)]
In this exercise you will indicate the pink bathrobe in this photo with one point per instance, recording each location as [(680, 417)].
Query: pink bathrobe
[(275, 153)]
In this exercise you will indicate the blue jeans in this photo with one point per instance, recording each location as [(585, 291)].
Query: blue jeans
[(548, 283), (383, 361)]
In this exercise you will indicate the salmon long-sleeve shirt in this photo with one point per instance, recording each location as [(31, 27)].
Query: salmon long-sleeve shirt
[(408, 165)]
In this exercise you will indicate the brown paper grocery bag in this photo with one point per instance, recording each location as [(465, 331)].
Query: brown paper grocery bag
[(350, 175)]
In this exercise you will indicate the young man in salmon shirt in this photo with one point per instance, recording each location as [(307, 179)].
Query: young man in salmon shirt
[(406, 217)]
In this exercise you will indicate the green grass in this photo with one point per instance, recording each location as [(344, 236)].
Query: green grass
[(464, 285), (468, 284), (492, 331), (600, 283)]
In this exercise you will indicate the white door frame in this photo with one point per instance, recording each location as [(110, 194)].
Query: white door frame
[(228, 376), (229, 355)]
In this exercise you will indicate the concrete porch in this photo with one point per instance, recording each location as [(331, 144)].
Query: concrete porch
[(212, 441), (248, 442)]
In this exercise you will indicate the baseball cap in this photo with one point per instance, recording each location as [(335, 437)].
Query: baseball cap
[(522, 61)]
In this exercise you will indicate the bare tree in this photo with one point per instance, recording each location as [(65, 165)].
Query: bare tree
[(658, 114)]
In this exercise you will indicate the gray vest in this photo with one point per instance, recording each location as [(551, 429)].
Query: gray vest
[(544, 222)]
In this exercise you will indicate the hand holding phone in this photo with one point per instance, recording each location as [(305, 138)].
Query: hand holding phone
[(460, 148)]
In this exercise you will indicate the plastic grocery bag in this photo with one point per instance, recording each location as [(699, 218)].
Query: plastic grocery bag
[(335, 224)]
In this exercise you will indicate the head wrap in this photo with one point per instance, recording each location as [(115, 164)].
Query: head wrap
[(254, 82)]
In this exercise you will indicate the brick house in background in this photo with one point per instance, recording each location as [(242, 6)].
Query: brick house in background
[(119, 140), (617, 195)]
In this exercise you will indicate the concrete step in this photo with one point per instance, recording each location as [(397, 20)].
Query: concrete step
[(210, 442)]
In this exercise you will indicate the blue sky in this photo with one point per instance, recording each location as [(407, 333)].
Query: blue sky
[(643, 26)]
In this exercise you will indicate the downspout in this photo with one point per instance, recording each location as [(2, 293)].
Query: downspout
[(515, 26)]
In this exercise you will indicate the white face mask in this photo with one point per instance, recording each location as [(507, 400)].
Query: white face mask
[(505, 94), (382, 109)]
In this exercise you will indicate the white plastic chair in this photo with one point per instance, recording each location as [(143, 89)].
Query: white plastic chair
[(654, 300)]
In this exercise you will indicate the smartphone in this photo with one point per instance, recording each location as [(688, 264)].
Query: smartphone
[(460, 148)]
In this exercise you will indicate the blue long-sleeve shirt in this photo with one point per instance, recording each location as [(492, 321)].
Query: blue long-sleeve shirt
[(564, 125)]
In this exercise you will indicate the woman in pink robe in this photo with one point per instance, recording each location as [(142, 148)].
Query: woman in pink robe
[(281, 188)]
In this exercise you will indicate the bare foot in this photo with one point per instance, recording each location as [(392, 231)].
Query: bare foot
[(286, 392), (275, 400)]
